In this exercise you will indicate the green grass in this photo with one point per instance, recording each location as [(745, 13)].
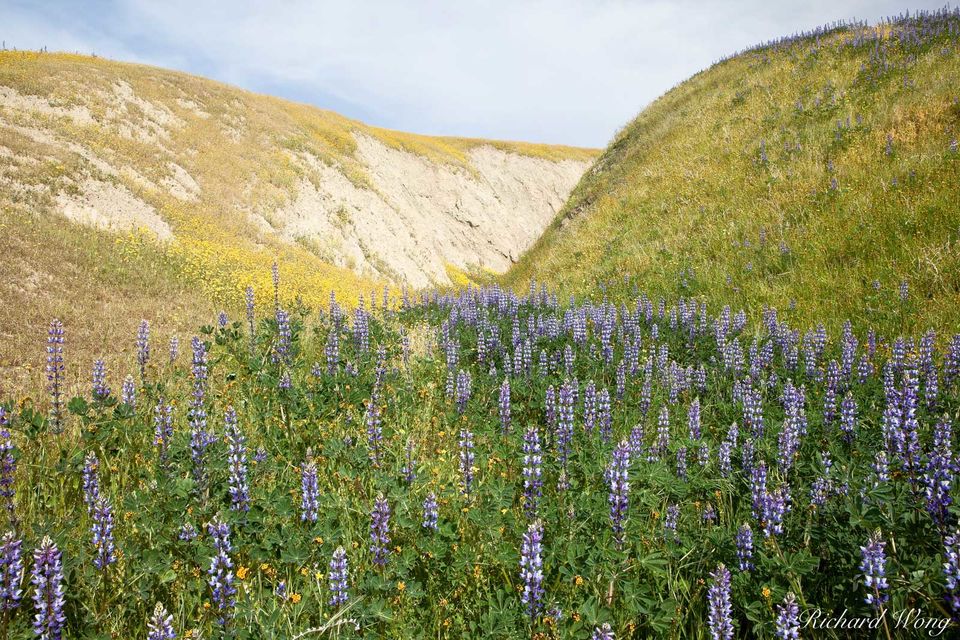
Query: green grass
[(680, 201)]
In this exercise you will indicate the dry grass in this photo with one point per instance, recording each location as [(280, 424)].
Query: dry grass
[(125, 124)]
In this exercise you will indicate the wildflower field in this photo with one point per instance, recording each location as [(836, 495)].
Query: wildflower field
[(485, 464), (741, 424)]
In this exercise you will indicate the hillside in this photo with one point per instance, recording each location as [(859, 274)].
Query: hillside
[(814, 174), (126, 190)]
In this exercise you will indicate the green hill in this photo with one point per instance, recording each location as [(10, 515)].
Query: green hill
[(814, 174)]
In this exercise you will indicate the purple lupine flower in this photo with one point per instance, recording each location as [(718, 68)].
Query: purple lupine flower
[(604, 418), (281, 590), (174, 348), (309, 492), (662, 442), (848, 417), (823, 486), (618, 482), (788, 619), (463, 389), (758, 489), (281, 352), (910, 456), (532, 472), (603, 632), (589, 406), (951, 362), (260, 455), (830, 393), (636, 441), (380, 530), (693, 419), (682, 463), (564, 435), (775, 506), (703, 454), (431, 513), (531, 569), (99, 388), (361, 328), (951, 569), (128, 392), (723, 458), (8, 467), (374, 427), (645, 393), (48, 601), (221, 578), (709, 513), (550, 407), (338, 578), (143, 347), (505, 406), (103, 534), (160, 625), (718, 599), (55, 371), (162, 429), (788, 442), (91, 481), (409, 469), (753, 411), (200, 438), (222, 320), (466, 462), (744, 540), (938, 473), (873, 567), (904, 291), (881, 468), (331, 350), (670, 523), (11, 571), (187, 532), (237, 459)]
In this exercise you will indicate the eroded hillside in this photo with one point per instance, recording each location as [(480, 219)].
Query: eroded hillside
[(818, 174)]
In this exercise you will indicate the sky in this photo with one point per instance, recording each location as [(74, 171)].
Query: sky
[(565, 71)]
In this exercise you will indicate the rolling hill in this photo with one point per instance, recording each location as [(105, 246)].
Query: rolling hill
[(128, 191), (817, 174)]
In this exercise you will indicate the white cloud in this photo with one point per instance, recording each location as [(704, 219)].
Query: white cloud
[(567, 71)]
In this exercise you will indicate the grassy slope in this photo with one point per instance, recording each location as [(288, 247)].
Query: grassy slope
[(101, 285), (681, 200)]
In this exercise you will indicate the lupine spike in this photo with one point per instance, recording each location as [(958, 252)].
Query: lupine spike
[(531, 569), (48, 595), (220, 575), (720, 608), (339, 578), (160, 625), (55, 372)]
